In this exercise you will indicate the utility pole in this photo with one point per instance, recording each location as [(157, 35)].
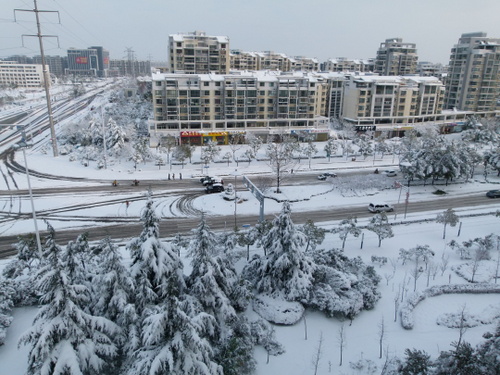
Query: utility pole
[(46, 76)]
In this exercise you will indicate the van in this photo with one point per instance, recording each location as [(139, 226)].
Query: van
[(380, 207)]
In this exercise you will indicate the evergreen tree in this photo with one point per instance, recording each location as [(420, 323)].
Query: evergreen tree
[(213, 278), (64, 339), (343, 287), (285, 271), (417, 362), (461, 361), (314, 235), (347, 227), (7, 293), (488, 353)]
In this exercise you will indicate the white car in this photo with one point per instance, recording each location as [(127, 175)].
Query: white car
[(390, 173), (380, 207)]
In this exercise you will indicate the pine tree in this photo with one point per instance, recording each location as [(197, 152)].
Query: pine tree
[(7, 293), (285, 271), (417, 362), (156, 268), (64, 339)]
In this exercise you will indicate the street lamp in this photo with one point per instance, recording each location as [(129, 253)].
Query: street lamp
[(235, 174), (22, 145)]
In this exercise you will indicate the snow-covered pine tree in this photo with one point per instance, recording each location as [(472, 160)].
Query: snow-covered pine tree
[(172, 325), (75, 257), (286, 270), (64, 339), (22, 269), (213, 278), (7, 293)]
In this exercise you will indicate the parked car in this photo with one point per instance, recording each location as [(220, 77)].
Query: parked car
[(380, 207), (493, 194), (214, 188), (325, 175), (390, 173)]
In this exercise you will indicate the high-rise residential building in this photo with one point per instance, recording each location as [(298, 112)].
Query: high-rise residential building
[(202, 107), (305, 64), (93, 61), (395, 58), (269, 60), (22, 75), (473, 82), (241, 60), (198, 53), (132, 68)]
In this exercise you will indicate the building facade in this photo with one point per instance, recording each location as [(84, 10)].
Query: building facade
[(395, 58), (473, 82), (56, 64), (93, 61), (197, 108), (198, 53), (133, 68), (21, 75), (342, 64), (375, 100)]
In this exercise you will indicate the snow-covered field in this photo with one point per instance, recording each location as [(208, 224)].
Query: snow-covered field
[(362, 336)]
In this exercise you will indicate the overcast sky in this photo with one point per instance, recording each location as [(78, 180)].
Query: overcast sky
[(314, 28)]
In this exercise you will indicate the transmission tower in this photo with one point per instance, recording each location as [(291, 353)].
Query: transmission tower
[(46, 77), (131, 58)]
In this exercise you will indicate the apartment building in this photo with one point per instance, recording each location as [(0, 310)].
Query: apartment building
[(22, 75), (305, 64), (342, 64), (198, 53), (473, 82), (56, 64), (133, 68), (372, 100), (395, 58), (241, 60), (201, 107)]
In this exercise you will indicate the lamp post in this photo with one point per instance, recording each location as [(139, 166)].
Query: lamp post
[(235, 174), (23, 146)]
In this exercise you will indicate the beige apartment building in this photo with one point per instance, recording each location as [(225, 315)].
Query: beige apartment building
[(473, 82), (22, 75), (268, 60), (342, 64), (377, 100), (198, 53), (396, 58), (201, 107)]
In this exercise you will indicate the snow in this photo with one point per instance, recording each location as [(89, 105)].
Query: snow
[(362, 335)]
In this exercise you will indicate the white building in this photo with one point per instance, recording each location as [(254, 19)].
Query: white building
[(22, 75)]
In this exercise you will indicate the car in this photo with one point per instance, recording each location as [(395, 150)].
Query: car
[(380, 207), (325, 175), (493, 194), (214, 188), (390, 173), (212, 180)]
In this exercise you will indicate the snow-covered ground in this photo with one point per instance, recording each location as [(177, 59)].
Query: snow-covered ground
[(362, 336)]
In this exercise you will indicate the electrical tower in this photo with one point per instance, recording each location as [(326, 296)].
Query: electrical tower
[(46, 77)]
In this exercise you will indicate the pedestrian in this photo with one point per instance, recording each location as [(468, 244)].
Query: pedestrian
[(169, 176), (291, 171), (173, 176), (127, 203), (180, 176)]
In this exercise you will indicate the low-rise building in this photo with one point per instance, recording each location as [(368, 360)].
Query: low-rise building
[(22, 75)]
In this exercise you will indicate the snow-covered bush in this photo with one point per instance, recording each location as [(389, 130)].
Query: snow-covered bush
[(7, 293), (343, 287), (414, 299)]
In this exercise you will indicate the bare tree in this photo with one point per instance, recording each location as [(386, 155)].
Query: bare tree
[(443, 266), (381, 334), (447, 217), (280, 156), (461, 327), (317, 356), (342, 343), (346, 227), (480, 254), (416, 272), (396, 305), (235, 142), (430, 270)]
